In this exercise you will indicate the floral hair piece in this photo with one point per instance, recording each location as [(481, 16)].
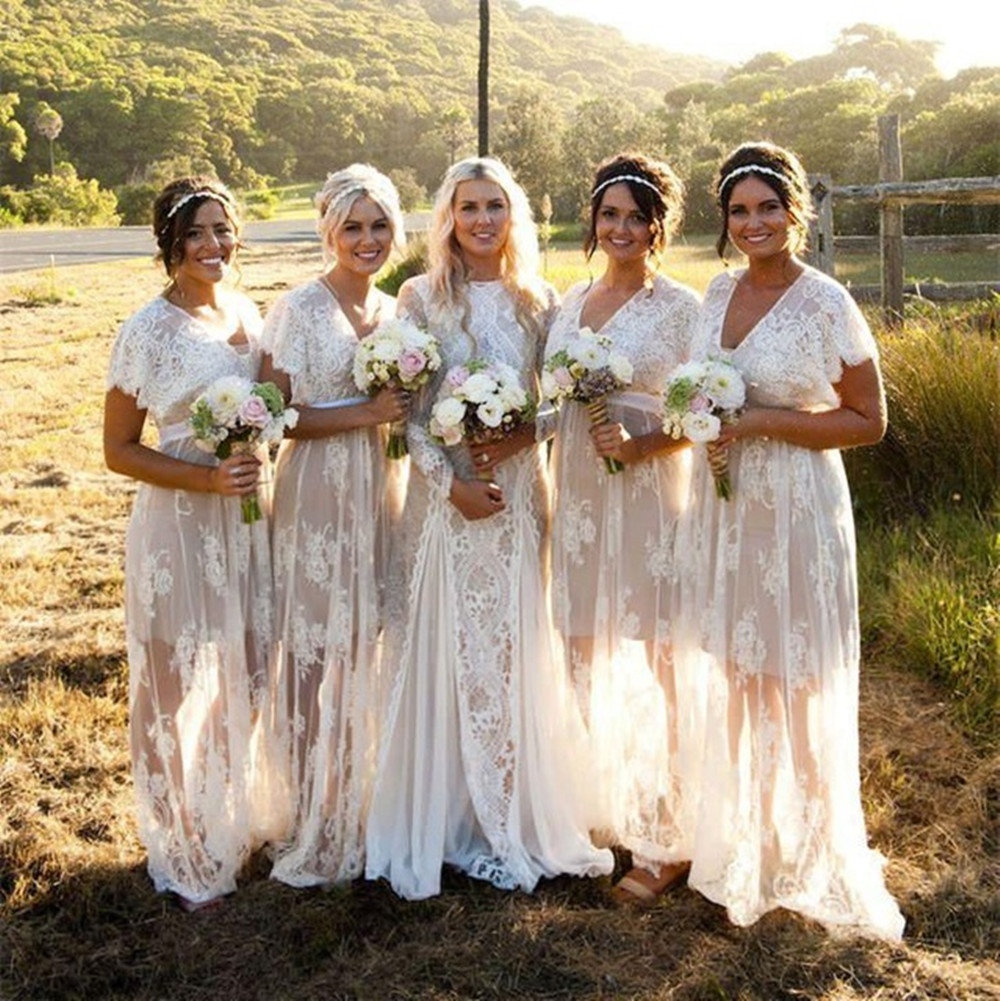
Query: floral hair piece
[(752, 168), (200, 193), (618, 178)]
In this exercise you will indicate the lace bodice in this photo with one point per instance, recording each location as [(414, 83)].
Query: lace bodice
[(310, 339), (498, 337), (165, 358), (795, 354), (668, 308)]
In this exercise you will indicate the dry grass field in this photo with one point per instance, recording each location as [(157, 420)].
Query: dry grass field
[(79, 919)]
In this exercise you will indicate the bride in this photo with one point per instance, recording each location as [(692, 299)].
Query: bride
[(476, 765)]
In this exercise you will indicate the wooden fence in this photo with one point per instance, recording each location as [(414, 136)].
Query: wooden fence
[(891, 194)]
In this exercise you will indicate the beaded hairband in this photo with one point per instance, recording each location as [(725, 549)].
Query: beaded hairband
[(201, 193), (752, 168), (624, 177)]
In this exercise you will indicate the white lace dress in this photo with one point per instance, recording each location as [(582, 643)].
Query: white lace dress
[(614, 579), (772, 594), (198, 611), (333, 501), (477, 766)]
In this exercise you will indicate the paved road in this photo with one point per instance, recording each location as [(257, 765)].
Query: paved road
[(25, 250)]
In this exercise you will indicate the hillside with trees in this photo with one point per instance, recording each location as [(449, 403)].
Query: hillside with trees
[(100, 102)]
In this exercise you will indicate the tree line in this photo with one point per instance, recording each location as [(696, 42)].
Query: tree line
[(100, 103)]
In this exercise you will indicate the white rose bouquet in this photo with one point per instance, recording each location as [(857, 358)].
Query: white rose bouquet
[(396, 351), (236, 415), (701, 396), (586, 370), (479, 402)]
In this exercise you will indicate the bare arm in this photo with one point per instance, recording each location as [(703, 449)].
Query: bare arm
[(612, 441), (389, 404), (124, 453), (859, 420)]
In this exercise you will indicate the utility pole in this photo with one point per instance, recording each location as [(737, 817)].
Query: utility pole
[(484, 77)]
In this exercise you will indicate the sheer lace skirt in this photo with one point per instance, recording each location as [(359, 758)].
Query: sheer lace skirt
[(198, 624), (771, 599), (334, 499), (477, 767), (615, 597)]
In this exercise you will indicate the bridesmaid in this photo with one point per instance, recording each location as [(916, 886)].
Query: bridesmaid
[(772, 590), (477, 764), (335, 494), (197, 580), (614, 581)]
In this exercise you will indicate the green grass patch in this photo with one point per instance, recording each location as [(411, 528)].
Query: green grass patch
[(931, 605)]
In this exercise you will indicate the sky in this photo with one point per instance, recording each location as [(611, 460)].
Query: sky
[(735, 30)]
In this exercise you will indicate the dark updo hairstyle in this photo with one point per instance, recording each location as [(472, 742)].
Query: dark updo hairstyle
[(659, 194), (781, 171), (174, 211)]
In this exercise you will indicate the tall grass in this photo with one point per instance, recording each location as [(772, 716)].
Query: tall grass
[(931, 606), (942, 380)]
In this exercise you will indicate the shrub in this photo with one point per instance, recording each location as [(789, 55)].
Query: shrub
[(135, 203), (66, 199), (259, 203)]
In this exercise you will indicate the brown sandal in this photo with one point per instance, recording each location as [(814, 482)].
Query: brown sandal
[(640, 888)]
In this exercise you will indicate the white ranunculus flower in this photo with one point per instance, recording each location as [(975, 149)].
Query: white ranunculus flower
[(479, 387), (701, 427), (225, 396), (589, 354), (512, 398), (386, 350), (490, 413), (621, 367), (725, 385), (449, 412)]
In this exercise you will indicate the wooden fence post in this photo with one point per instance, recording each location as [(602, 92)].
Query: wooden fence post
[(890, 169), (820, 248)]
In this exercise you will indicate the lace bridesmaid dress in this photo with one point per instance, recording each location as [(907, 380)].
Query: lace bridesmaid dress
[(477, 763), (333, 501), (198, 612), (772, 595), (615, 583)]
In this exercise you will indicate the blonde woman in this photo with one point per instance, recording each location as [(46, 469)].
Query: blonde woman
[(476, 762), (335, 493)]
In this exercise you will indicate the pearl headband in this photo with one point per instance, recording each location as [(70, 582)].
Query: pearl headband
[(618, 178), (201, 193), (752, 168)]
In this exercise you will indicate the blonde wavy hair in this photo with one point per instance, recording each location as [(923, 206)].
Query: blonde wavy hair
[(447, 272)]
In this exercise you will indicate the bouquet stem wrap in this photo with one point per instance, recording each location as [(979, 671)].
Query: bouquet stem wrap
[(250, 505), (598, 411), (718, 462)]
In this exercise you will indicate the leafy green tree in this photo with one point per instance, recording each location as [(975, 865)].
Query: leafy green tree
[(529, 141), (13, 138)]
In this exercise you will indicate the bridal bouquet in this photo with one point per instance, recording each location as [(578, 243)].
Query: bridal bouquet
[(396, 351), (236, 415), (701, 396), (479, 402), (586, 370)]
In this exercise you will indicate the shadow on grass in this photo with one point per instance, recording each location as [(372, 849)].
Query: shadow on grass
[(92, 674), (103, 934)]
